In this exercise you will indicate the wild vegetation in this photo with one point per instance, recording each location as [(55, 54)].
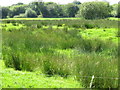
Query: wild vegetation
[(78, 48), (43, 46)]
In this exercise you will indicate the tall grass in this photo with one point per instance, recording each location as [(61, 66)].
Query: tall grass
[(102, 67), (35, 48), (70, 23)]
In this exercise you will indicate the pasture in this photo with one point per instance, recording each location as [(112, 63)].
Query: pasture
[(68, 52)]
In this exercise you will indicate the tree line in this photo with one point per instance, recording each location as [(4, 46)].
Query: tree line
[(87, 10)]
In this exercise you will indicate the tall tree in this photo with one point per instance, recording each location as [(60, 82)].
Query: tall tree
[(17, 9), (94, 10), (30, 13), (76, 2), (39, 8), (5, 11), (116, 10), (54, 10), (70, 10)]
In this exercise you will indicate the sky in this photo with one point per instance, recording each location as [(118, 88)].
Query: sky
[(10, 2)]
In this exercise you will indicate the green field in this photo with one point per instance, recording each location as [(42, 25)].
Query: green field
[(22, 79), (40, 19), (59, 53), (60, 45), (110, 18)]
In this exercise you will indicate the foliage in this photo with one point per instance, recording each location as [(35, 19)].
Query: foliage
[(16, 10), (116, 10), (53, 9), (70, 10), (94, 10), (77, 2), (36, 6), (5, 11), (89, 10), (20, 3), (30, 13)]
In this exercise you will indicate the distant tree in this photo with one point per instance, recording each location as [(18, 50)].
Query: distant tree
[(48, 3), (54, 10), (70, 10), (5, 11), (114, 10), (94, 10), (119, 2), (61, 11), (118, 12), (39, 8), (30, 13), (16, 10), (36, 6), (76, 2), (0, 12), (18, 4)]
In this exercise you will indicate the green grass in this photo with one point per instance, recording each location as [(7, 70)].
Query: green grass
[(40, 18), (21, 79), (10, 26), (110, 18), (64, 47), (103, 34), (113, 18)]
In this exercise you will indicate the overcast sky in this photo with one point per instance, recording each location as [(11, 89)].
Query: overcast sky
[(10, 2)]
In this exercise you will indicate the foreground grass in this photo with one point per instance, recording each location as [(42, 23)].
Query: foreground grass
[(62, 47), (21, 79)]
